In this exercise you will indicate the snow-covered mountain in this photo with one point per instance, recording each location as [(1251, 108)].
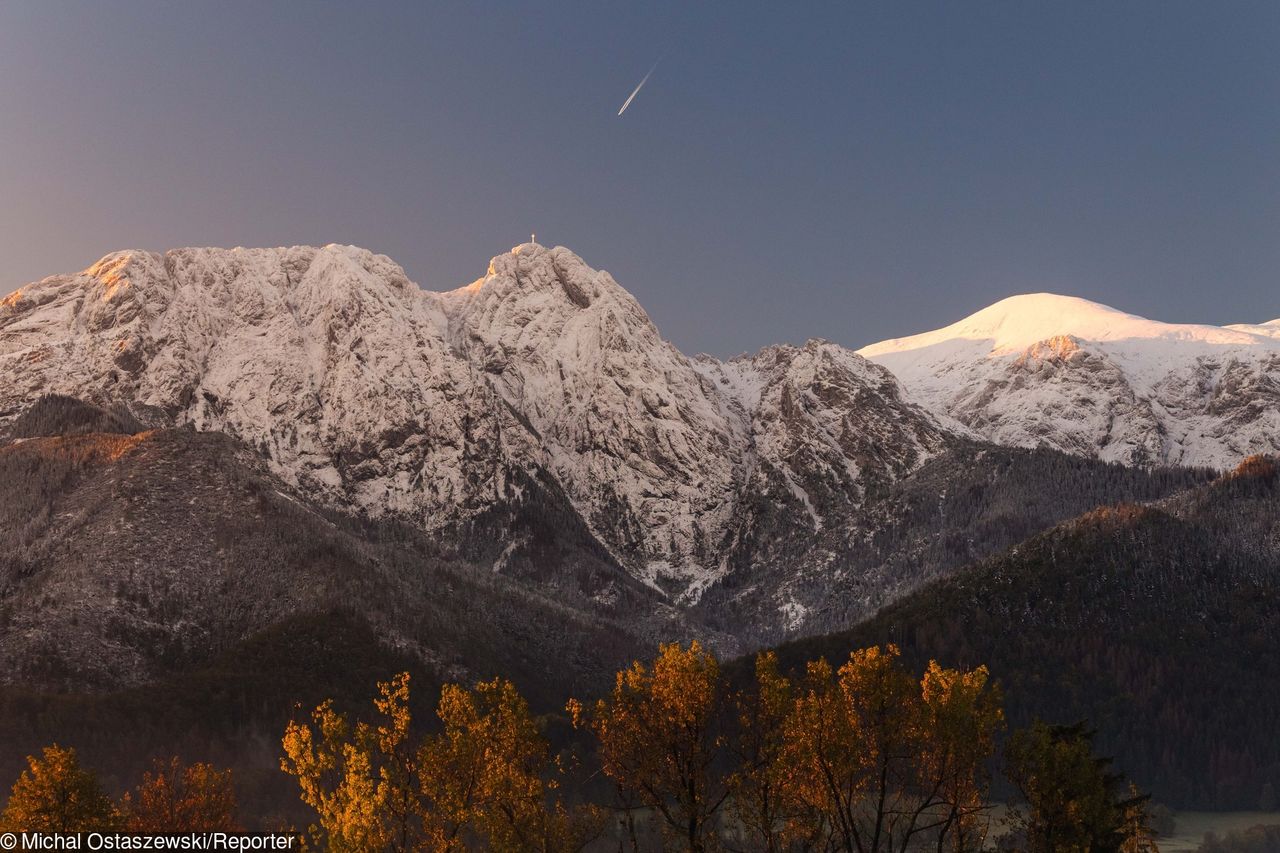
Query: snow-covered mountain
[(1084, 378), (373, 395), (788, 491), (641, 443)]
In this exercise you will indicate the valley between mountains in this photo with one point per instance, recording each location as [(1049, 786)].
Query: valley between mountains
[(295, 464)]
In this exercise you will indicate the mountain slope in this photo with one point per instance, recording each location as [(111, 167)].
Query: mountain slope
[(1158, 624), (163, 592), (438, 409), (1066, 373), (621, 417), (965, 503), (133, 556)]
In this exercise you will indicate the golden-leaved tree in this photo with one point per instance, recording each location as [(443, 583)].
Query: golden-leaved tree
[(758, 796), (177, 797), (962, 715), (489, 770), (659, 736), (486, 778), (56, 794), (877, 760), (867, 758), (345, 777)]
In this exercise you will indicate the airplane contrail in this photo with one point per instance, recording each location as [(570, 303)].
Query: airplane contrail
[(632, 96)]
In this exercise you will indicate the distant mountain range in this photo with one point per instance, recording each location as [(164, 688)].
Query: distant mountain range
[(521, 474)]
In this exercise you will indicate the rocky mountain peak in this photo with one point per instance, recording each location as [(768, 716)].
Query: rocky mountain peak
[(533, 280), (370, 394)]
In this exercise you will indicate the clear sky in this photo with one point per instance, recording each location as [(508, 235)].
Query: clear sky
[(853, 171)]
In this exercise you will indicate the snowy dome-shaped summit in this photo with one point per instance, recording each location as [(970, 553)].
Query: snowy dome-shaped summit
[(1028, 318), (1018, 322), (1043, 369)]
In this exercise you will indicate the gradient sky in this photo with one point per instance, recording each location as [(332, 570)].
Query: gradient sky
[(845, 170)]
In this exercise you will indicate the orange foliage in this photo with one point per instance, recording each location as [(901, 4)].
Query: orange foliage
[(1257, 466), (658, 738), (174, 797), (93, 448), (486, 778), (56, 794)]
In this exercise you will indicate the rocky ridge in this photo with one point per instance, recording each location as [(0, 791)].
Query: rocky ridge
[(375, 396)]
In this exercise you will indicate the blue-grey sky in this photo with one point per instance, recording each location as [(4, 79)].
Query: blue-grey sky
[(847, 170)]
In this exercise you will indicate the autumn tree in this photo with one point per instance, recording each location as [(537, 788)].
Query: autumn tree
[(659, 737), (488, 770), (849, 739), (56, 794), (177, 797), (357, 777), (962, 715), (1070, 799), (879, 760), (485, 778)]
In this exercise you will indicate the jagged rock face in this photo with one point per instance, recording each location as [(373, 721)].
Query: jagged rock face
[(827, 427), (370, 394), (831, 434), (1063, 395), (1045, 370), (642, 443), (328, 361)]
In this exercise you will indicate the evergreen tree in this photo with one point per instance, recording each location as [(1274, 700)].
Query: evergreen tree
[(1138, 834), (1070, 799), (1267, 800)]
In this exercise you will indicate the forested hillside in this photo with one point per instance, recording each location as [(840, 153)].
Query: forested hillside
[(1158, 624), (968, 503), (162, 591)]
